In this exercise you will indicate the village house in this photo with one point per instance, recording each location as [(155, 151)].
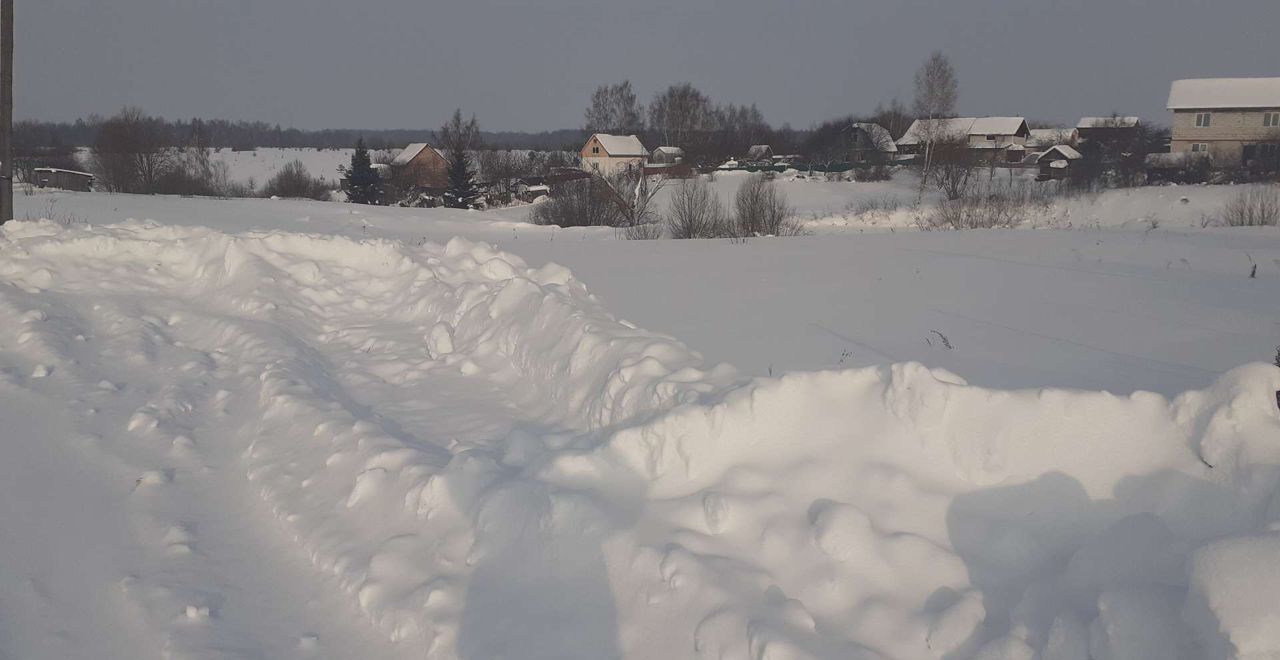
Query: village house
[(1003, 139), (667, 156), (422, 166), (607, 155), (872, 143), (1114, 129), (1234, 120)]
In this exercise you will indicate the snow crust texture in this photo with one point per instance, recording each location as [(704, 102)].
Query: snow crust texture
[(473, 459)]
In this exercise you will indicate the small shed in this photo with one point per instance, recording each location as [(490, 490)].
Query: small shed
[(53, 177), (1057, 161)]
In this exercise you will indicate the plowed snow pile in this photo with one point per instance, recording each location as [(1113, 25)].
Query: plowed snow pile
[(277, 445)]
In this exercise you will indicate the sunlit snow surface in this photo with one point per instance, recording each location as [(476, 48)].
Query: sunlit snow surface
[(276, 429)]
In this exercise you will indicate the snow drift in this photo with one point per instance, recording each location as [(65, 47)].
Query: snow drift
[(487, 464)]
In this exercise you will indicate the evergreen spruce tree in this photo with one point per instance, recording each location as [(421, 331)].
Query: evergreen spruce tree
[(364, 186), (459, 138)]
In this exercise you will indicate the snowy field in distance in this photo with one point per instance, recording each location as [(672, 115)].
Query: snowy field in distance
[(287, 429), (262, 164)]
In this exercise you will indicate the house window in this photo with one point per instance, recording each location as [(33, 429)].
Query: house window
[(1271, 119), (595, 150), (1203, 119), (991, 138), (1269, 151), (1199, 147)]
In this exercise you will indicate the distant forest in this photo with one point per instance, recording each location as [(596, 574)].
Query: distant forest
[(245, 135)]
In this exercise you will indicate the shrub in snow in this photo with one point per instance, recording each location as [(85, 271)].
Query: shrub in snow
[(760, 209), (583, 203), (294, 181), (995, 206), (696, 212), (1255, 206), (649, 231), (873, 173)]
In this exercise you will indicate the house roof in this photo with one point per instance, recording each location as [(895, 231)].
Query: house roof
[(1224, 93), (920, 127), (1063, 152), (963, 126), (996, 125), (1108, 122), (621, 145), (410, 152), (759, 151), (879, 135), (671, 151), (58, 169)]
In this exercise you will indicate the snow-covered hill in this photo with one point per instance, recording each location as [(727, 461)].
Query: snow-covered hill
[(315, 430)]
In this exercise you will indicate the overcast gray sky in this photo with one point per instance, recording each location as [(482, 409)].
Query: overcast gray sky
[(531, 65)]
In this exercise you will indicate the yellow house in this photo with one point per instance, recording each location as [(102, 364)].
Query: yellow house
[(607, 155), (1234, 120)]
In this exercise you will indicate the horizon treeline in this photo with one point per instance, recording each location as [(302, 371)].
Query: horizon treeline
[(249, 135)]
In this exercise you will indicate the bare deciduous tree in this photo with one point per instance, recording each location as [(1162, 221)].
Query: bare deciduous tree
[(935, 99), (581, 203), (614, 109), (760, 209), (696, 212), (293, 181), (1257, 205), (132, 152), (953, 166), (633, 194), (895, 118), (682, 116)]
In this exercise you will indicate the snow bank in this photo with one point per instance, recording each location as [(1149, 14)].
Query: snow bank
[(488, 464)]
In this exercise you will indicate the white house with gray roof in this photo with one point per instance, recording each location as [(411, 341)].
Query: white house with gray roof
[(1001, 137)]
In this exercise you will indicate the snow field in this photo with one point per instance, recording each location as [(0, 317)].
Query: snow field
[(483, 462)]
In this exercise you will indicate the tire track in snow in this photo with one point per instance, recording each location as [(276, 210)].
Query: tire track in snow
[(379, 445)]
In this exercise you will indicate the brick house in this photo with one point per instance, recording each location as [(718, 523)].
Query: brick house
[(1235, 120)]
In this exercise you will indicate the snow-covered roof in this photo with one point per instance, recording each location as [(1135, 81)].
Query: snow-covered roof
[(52, 170), (410, 152), (996, 125), (963, 126), (1224, 93), (921, 128), (879, 136), (758, 151), (670, 151), (621, 145), (1108, 122), (1063, 152)]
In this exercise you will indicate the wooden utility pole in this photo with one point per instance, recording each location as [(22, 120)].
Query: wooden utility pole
[(6, 111)]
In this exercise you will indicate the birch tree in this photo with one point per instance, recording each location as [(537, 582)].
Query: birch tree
[(936, 93)]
